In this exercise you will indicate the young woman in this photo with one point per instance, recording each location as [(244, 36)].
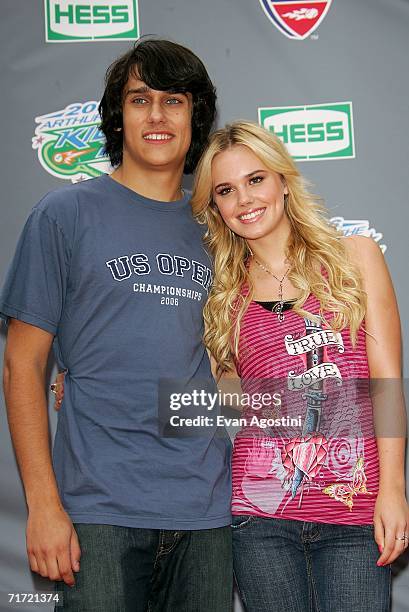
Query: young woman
[(297, 308)]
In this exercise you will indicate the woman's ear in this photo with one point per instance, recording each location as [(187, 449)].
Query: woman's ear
[(214, 205), (285, 188)]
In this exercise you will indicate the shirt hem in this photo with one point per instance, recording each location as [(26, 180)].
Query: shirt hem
[(11, 312), (306, 519), (146, 522)]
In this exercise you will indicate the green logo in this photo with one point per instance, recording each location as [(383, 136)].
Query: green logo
[(318, 131), (70, 144), (90, 20)]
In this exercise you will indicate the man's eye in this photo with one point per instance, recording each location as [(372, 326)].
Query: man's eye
[(256, 179), (139, 101), (173, 101)]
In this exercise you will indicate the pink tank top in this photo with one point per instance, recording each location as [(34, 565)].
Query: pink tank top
[(312, 457)]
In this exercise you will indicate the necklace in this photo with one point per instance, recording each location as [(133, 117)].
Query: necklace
[(280, 305)]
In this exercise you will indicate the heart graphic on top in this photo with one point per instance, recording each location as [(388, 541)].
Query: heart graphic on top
[(308, 453)]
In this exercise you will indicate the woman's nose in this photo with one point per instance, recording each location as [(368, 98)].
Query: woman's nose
[(244, 197)]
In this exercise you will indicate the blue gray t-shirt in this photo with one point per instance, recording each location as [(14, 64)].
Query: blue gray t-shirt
[(121, 280)]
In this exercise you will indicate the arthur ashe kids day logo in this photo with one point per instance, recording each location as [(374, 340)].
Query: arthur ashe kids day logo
[(91, 20), (318, 131), (70, 144), (296, 19)]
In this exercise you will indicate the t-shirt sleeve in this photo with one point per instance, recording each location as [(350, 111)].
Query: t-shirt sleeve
[(36, 282)]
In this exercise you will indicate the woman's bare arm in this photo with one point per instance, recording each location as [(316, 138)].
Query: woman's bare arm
[(383, 343)]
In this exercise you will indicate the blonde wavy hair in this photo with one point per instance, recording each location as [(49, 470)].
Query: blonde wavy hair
[(314, 245)]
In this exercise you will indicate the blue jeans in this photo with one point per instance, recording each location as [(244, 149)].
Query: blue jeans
[(150, 570), (294, 566)]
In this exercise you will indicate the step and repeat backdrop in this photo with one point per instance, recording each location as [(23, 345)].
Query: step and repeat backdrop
[(330, 77)]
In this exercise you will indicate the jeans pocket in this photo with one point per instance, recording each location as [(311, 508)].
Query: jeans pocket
[(241, 520)]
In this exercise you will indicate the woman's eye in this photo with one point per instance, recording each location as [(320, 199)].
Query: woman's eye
[(256, 179), (224, 191)]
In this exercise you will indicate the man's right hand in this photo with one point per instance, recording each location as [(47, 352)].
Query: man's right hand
[(52, 544)]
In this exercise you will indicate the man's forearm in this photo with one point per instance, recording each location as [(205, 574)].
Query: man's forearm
[(52, 543), (27, 411)]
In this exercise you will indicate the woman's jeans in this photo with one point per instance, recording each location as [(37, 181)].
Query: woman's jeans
[(151, 570), (293, 566)]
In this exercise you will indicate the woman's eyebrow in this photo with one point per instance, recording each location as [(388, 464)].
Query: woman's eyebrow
[(245, 176)]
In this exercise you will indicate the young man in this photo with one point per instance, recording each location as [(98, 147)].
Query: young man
[(113, 272)]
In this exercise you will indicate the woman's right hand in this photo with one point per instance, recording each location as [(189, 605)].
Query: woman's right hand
[(57, 388)]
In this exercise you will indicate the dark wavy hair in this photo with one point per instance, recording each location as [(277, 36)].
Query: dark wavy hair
[(165, 66)]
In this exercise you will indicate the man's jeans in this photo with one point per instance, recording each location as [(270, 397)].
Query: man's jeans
[(150, 570), (292, 566)]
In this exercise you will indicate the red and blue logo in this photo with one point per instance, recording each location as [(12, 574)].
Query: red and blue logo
[(296, 19)]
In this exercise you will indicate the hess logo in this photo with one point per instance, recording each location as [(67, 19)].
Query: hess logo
[(81, 13), (69, 20), (322, 131)]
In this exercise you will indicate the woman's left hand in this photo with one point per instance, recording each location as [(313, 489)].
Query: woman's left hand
[(391, 520), (57, 387)]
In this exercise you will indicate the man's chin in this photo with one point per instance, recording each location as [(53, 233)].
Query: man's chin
[(159, 162)]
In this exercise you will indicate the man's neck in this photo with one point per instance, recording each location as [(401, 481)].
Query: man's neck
[(157, 184)]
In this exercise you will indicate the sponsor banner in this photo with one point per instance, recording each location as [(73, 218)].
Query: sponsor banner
[(358, 227), (296, 19), (313, 132), (70, 144), (91, 20)]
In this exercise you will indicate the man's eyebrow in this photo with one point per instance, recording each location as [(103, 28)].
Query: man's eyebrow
[(145, 89), (246, 176), (138, 90)]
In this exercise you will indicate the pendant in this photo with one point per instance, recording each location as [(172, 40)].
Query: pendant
[(278, 309)]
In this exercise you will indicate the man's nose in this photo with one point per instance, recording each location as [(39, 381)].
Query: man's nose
[(156, 112)]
